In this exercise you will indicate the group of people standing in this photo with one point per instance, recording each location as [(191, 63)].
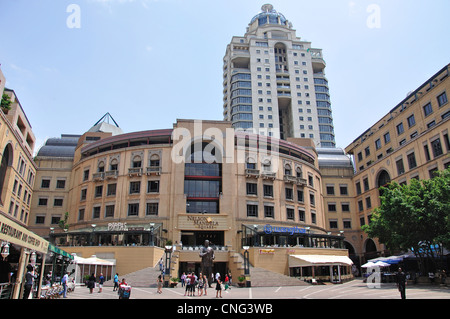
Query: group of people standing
[(191, 281)]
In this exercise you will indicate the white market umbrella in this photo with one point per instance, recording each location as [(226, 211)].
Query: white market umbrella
[(369, 264)]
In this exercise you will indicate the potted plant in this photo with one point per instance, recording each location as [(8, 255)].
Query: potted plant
[(241, 282), (174, 282)]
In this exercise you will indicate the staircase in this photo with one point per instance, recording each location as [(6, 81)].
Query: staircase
[(261, 277), (142, 278)]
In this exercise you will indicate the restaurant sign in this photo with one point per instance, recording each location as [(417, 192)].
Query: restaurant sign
[(19, 235), (269, 229), (202, 222)]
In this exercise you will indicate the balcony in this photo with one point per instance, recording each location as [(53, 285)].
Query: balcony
[(290, 179), (301, 181), (252, 172), (153, 170), (111, 174), (135, 171), (98, 176), (268, 175)]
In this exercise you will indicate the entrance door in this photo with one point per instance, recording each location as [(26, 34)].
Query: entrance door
[(197, 238)]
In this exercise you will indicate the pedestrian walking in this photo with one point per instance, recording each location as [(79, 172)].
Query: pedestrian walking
[(183, 279), (161, 263), (188, 284), (116, 282), (218, 287), (91, 283), (64, 281), (30, 276), (101, 280), (201, 282), (159, 283), (205, 280), (401, 283)]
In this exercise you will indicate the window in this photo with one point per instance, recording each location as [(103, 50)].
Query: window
[(83, 194), (360, 205), (99, 191), (289, 193), (400, 128), (332, 207), (45, 183), (111, 189), (252, 210), (368, 202), (378, 144), (387, 138), (152, 209), (427, 152), (330, 190), (85, 175), (333, 224), (400, 167), (345, 207), (58, 202), (300, 197), (133, 209), (153, 187), (312, 199), (135, 187), (42, 201), (268, 190), (343, 189), (367, 150), (269, 211), (109, 211), (40, 220), (427, 109), (290, 213), (411, 121), (252, 189), (442, 99), (366, 184), (358, 188), (301, 215), (347, 224), (61, 184), (412, 161), (313, 217), (96, 212), (436, 147)]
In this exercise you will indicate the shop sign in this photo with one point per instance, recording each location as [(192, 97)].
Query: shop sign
[(202, 222), (269, 229), (266, 251), (117, 227), (16, 234)]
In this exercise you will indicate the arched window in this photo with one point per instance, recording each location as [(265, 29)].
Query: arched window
[(7, 160), (136, 162), (101, 167)]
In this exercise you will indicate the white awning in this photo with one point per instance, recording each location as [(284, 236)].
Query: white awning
[(318, 260), (93, 260)]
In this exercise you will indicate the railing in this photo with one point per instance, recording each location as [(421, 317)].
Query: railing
[(111, 174), (135, 170), (252, 172), (154, 170), (98, 176), (6, 290)]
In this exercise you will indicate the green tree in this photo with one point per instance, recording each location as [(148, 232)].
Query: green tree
[(63, 222), (415, 216), (6, 102)]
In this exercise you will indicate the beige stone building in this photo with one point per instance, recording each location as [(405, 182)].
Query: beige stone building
[(19, 246), (410, 141), (130, 194)]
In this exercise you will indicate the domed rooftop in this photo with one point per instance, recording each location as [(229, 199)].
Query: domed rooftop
[(269, 16)]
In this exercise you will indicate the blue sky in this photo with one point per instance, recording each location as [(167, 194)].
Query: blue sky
[(125, 57)]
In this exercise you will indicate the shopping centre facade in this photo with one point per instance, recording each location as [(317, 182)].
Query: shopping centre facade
[(130, 194)]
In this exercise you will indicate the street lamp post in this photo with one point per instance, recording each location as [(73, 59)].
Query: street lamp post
[(168, 250)]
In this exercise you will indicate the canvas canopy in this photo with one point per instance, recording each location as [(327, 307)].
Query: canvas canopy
[(318, 260)]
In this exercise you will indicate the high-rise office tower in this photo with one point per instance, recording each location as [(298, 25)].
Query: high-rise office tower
[(275, 83)]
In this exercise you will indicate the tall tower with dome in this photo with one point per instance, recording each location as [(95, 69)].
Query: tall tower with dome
[(274, 82)]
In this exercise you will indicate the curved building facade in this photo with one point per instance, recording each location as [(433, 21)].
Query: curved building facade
[(200, 180)]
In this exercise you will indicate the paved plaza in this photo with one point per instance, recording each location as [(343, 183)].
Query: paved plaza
[(355, 289)]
